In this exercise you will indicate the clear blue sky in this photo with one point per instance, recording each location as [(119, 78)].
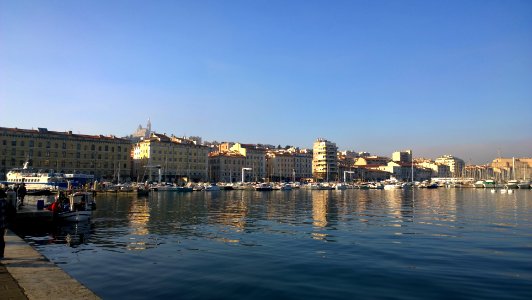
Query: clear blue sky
[(438, 77)]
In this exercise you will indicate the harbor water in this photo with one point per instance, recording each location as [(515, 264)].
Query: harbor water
[(300, 244)]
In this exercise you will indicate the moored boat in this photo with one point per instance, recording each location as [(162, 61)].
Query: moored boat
[(263, 187), (211, 188), (524, 184), (511, 184), (77, 207)]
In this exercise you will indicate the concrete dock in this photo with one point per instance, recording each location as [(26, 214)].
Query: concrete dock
[(26, 274)]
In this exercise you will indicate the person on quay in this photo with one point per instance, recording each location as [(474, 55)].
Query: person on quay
[(6, 214), (21, 193)]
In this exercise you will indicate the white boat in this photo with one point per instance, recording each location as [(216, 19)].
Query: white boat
[(524, 184), (166, 188), (263, 187), (512, 184), (36, 180), (479, 184), (286, 187), (78, 208), (340, 186), (211, 188), (393, 186), (45, 181), (489, 183)]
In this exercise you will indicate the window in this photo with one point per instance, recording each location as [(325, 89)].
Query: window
[(31, 143), (14, 143)]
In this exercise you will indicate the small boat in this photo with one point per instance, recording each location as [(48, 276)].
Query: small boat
[(512, 184), (393, 186), (212, 188), (340, 186), (524, 184), (286, 187), (142, 191), (263, 187), (489, 183), (77, 207), (479, 184)]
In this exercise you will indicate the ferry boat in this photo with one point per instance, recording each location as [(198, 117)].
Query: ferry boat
[(45, 182), (36, 180)]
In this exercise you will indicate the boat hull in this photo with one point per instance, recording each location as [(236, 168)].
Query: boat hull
[(74, 216)]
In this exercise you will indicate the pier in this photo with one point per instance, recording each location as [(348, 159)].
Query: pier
[(26, 274)]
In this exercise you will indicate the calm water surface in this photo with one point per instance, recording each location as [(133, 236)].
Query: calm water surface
[(365, 244)]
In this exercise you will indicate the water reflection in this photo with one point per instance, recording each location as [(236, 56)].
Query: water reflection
[(243, 243)]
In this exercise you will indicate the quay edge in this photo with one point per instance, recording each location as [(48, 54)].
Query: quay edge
[(38, 277)]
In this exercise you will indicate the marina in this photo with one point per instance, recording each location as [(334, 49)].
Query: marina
[(300, 243)]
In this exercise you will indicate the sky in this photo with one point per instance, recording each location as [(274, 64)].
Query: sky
[(437, 77)]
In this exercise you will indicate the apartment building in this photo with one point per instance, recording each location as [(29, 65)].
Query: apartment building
[(227, 167), (105, 157), (173, 159), (289, 165), (255, 159), (325, 160), (402, 156), (456, 165)]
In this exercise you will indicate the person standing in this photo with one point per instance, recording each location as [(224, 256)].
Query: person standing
[(21, 193), (5, 214)]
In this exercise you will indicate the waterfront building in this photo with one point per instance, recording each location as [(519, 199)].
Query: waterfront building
[(255, 158), (175, 159), (402, 156), (372, 161), (512, 168), (456, 165), (325, 160), (289, 165), (105, 157), (365, 174), (227, 167), (403, 171), (437, 170)]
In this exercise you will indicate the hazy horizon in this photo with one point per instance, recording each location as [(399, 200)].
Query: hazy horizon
[(379, 76)]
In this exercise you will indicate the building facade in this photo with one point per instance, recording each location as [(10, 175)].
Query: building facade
[(105, 157), (456, 165), (288, 165), (325, 160), (402, 156), (173, 159), (255, 159), (227, 167)]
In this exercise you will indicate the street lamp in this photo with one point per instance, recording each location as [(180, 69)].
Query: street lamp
[(345, 172), (245, 169)]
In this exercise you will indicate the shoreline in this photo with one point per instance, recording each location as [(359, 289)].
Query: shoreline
[(36, 276)]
